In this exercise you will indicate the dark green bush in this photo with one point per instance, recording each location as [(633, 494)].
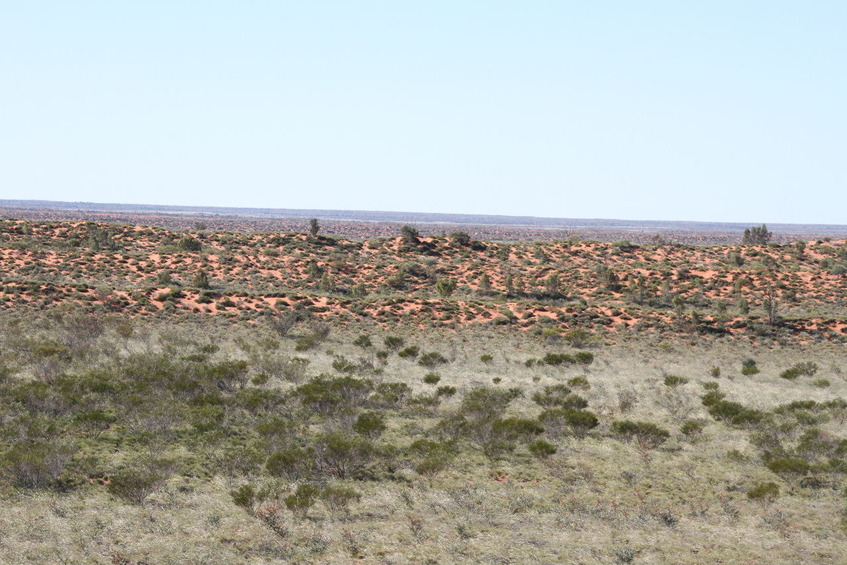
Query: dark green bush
[(674, 380), (244, 497), (36, 464), (432, 457), (342, 454), (584, 358), (764, 492), (370, 424), (134, 484), (558, 359), (712, 397), (517, 429), (328, 395), (293, 463), (580, 383), (789, 466), (303, 499), (431, 359), (806, 368), (410, 352), (339, 498), (485, 403), (446, 390), (692, 428), (541, 448), (580, 421), (643, 432), (190, 244), (363, 341), (431, 378), (748, 367), (389, 395), (552, 395), (393, 343)]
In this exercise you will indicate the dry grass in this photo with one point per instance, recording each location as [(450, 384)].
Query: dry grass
[(597, 500)]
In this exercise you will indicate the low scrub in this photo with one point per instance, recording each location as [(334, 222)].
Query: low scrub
[(642, 432)]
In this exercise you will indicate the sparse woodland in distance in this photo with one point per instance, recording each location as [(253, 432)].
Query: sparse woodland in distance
[(199, 396)]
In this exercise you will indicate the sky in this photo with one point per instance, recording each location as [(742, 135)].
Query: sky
[(705, 111)]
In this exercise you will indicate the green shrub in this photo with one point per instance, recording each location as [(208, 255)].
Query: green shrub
[(431, 378), (342, 454), (190, 244), (517, 429), (580, 421), (486, 358), (410, 352), (712, 397), (691, 428), (790, 374), (431, 360), (303, 499), (445, 391), (789, 466), (135, 484), (674, 380), (363, 341), (327, 395), (541, 448), (292, 462), (36, 464), (748, 367), (433, 456), (578, 337), (558, 359), (244, 497), (343, 365), (393, 342), (339, 498), (806, 368), (580, 383), (485, 403), (389, 395), (643, 432), (764, 492), (551, 396), (370, 424), (725, 410)]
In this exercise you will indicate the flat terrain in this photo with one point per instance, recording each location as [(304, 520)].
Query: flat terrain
[(197, 395), (361, 225)]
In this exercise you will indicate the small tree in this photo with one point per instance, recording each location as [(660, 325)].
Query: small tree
[(484, 287), (201, 279), (303, 498), (314, 227), (551, 285), (445, 287), (460, 238), (770, 303), (757, 235), (190, 244), (410, 235)]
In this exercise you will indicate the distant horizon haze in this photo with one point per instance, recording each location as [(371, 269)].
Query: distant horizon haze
[(400, 216)]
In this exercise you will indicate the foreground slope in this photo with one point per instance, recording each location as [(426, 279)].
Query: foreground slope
[(256, 398)]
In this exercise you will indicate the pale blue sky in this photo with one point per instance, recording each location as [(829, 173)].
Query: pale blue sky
[(719, 110)]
